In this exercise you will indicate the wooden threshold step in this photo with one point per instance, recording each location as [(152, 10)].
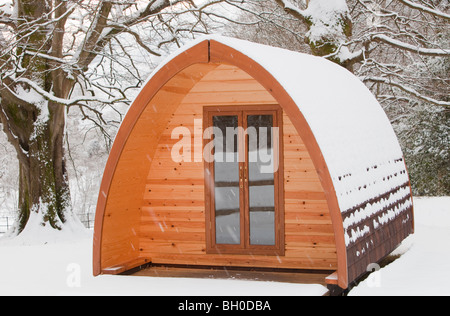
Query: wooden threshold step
[(255, 274)]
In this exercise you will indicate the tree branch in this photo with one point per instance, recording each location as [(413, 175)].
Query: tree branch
[(141, 43), (88, 49), (407, 90), (102, 32), (66, 102), (425, 9), (436, 52)]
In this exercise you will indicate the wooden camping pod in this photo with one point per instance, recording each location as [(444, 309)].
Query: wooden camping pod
[(154, 209)]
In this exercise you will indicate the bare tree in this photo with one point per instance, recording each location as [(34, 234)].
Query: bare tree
[(60, 54)]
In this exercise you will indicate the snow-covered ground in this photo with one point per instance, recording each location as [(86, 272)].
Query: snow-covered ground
[(424, 265), (63, 266)]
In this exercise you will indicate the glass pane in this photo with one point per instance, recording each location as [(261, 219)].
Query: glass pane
[(261, 180), (226, 180)]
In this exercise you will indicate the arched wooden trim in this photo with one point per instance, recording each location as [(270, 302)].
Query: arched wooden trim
[(195, 55), (220, 53)]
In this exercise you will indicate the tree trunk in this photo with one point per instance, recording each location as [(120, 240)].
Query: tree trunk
[(327, 32), (43, 184), (37, 129)]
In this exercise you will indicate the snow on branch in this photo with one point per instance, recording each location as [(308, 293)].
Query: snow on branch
[(45, 56), (292, 9), (426, 9), (67, 102), (437, 52), (407, 90)]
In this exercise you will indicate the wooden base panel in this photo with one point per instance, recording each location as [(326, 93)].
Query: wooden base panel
[(239, 273)]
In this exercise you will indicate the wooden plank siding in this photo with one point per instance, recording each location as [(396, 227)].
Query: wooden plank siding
[(120, 198), (172, 222)]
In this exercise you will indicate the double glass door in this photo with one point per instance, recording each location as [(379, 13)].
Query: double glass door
[(242, 180)]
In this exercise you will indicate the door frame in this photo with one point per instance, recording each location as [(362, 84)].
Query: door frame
[(244, 247)]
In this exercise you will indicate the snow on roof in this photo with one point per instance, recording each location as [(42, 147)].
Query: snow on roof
[(349, 124), (352, 130)]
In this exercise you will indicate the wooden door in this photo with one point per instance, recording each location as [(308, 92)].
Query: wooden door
[(244, 180)]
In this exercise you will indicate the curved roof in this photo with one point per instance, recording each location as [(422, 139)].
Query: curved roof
[(353, 132), (355, 137), (351, 141)]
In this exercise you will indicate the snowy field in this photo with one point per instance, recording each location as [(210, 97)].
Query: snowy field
[(62, 265)]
